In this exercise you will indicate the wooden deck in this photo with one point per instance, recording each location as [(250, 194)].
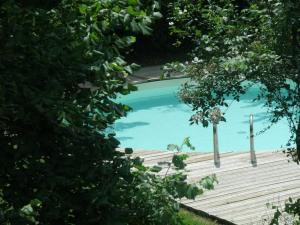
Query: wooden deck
[(243, 190)]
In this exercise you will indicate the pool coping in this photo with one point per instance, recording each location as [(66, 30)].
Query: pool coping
[(153, 79), (152, 74), (139, 150)]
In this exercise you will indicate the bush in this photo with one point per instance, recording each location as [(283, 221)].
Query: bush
[(61, 69)]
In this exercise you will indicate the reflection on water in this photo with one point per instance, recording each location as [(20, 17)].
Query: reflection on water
[(159, 118), (119, 126)]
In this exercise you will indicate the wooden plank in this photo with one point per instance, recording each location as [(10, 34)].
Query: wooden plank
[(260, 203), (218, 203), (246, 177), (208, 157), (239, 168), (240, 204), (255, 214), (227, 162), (234, 189), (243, 190)]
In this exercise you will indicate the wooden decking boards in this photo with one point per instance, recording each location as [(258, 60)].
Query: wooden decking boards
[(243, 191)]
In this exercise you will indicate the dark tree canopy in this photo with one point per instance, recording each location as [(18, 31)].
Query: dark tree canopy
[(61, 67)]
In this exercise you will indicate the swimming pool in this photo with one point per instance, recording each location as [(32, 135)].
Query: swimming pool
[(159, 118)]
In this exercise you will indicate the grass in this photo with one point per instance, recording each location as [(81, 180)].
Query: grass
[(190, 218)]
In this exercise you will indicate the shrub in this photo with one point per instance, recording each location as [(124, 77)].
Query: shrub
[(61, 67)]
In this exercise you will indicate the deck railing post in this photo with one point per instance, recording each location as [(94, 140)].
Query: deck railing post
[(252, 151), (216, 145)]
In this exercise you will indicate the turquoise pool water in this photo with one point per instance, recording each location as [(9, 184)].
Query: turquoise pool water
[(159, 118)]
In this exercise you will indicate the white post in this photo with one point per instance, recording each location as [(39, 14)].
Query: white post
[(252, 151), (216, 145)]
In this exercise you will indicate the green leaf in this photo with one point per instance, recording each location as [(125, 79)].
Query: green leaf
[(187, 142), (178, 161), (145, 29), (128, 150), (134, 26), (208, 182), (116, 67), (157, 15), (30, 211), (205, 123), (83, 8), (133, 12), (65, 122), (155, 169), (193, 191), (132, 2), (172, 147)]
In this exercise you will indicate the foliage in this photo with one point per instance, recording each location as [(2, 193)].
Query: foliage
[(289, 215), (61, 68), (189, 218), (158, 189), (238, 41), (158, 48), (239, 44), (170, 68)]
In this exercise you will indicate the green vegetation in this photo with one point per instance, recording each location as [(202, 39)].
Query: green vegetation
[(237, 41), (61, 67), (189, 218), (62, 64)]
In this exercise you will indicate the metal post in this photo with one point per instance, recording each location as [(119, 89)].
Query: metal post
[(252, 151), (216, 145)]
